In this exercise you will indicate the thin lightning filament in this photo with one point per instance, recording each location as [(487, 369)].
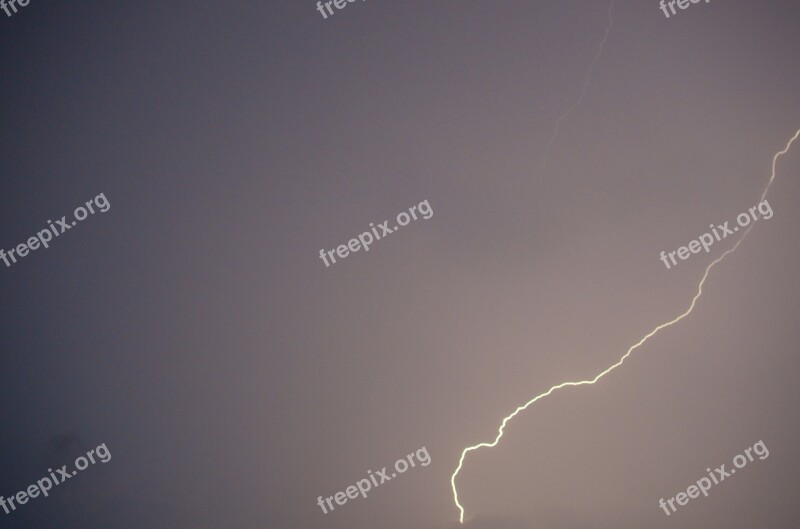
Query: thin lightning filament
[(635, 346)]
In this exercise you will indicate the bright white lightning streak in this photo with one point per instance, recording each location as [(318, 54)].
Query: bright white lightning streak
[(577, 103), (629, 351)]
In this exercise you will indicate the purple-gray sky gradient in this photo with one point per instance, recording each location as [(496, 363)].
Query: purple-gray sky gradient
[(195, 331)]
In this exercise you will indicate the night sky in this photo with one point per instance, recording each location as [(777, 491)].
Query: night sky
[(194, 330)]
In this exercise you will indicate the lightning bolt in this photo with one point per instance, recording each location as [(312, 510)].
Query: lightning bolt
[(635, 346), (577, 103)]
